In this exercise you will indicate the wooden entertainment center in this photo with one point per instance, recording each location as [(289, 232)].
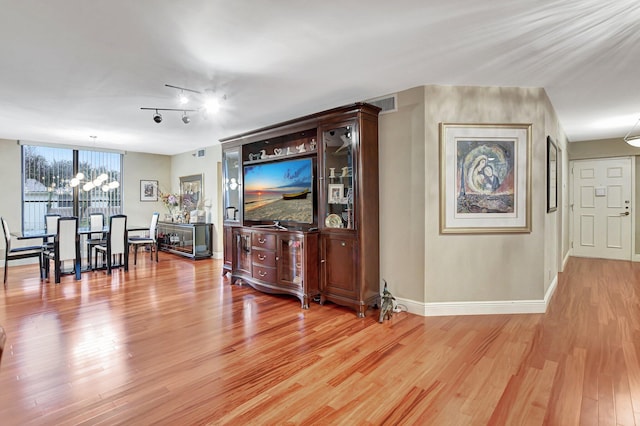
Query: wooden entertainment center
[(317, 233)]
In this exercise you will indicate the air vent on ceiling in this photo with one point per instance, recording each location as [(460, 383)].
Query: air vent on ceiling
[(387, 103)]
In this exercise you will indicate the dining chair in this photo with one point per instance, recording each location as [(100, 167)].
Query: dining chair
[(15, 253), (115, 243), (96, 223), (66, 247), (150, 240), (50, 227)]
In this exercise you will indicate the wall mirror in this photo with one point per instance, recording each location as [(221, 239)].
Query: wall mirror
[(191, 192)]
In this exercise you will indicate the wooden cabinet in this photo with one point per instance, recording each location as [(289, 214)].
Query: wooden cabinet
[(342, 144), (277, 261)]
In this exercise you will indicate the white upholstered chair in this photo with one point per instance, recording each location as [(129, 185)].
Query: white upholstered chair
[(66, 248), (150, 241), (15, 253), (115, 243)]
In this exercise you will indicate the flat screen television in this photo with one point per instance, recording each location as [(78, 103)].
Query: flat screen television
[(279, 191)]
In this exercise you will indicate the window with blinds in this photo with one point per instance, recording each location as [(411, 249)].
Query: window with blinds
[(68, 182)]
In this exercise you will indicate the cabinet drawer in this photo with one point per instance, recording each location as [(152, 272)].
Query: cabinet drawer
[(264, 258), (264, 273), (266, 241)]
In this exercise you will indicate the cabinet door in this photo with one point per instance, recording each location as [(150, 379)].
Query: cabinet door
[(242, 243), (228, 247), (337, 176), (232, 189), (291, 260), (338, 262)]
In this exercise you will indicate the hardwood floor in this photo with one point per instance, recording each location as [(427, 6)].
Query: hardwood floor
[(173, 343)]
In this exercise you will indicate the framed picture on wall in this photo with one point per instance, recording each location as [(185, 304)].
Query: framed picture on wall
[(148, 190), (191, 192), (552, 175), (485, 178)]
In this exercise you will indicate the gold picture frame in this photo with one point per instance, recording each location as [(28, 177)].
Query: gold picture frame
[(485, 178)]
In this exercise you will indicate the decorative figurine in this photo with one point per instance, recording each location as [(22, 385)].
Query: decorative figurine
[(301, 148), (332, 172), (345, 171), (386, 308)]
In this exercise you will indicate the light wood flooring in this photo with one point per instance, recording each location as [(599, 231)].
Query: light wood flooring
[(174, 343)]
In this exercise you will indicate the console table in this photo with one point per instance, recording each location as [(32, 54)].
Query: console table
[(193, 240)]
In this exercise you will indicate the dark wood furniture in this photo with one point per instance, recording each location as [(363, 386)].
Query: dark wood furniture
[(344, 145), (277, 261), (193, 240)]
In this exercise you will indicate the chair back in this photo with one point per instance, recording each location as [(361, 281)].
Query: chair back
[(118, 234), (96, 223), (51, 223), (7, 235), (154, 225), (67, 238)]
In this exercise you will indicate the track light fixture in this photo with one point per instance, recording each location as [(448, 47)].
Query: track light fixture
[(210, 104), (157, 117)]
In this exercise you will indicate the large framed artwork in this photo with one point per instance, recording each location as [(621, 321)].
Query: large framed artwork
[(148, 190), (552, 175), (485, 178)]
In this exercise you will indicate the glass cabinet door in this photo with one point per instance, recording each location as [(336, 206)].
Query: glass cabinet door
[(338, 173), (231, 169), (291, 260)]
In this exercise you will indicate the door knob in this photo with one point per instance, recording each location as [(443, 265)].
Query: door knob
[(624, 214)]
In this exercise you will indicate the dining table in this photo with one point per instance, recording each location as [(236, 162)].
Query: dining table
[(83, 231)]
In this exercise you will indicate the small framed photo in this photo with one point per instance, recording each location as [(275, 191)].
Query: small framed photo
[(335, 193), (148, 190)]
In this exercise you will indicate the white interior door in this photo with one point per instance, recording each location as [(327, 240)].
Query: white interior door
[(602, 208)]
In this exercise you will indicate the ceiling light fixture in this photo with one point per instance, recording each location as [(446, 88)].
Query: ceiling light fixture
[(211, 104), (635, 139), (157, 117)]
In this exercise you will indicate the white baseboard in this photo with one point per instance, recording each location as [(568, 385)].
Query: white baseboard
[(480, 308)]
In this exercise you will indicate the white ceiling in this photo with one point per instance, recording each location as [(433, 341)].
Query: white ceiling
[(74, 68)]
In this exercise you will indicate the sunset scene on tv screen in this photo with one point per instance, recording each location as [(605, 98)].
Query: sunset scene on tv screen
[(279, 191)]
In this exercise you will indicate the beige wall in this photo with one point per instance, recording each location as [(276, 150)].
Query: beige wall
[(137, 167), (10, 173), (189, 164), (402, 196), (424, 266)]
